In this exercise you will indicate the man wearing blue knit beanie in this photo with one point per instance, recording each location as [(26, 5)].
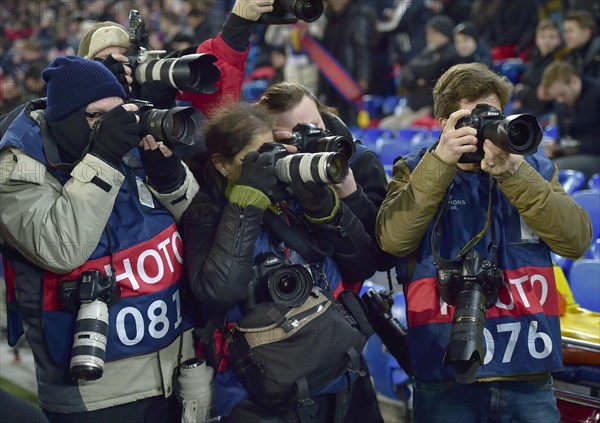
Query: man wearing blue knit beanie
[(92, 252)]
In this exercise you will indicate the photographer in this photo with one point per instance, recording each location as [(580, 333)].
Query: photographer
[(365, 187), (87, 228), (109, 41), (506, 209), (227, 231)]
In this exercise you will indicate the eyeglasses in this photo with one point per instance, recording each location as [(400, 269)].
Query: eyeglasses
[(94, 115)]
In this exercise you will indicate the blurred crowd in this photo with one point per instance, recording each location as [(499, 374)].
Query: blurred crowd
[(396, 39)]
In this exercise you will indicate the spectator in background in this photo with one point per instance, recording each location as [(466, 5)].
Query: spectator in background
[(406, 21), (174, 32), (419, 75), (349, 35), (11, 93), (470, 46), (548, 47), (579, 32), (33, 84), (577, 106), (508, 26), (205, 21)]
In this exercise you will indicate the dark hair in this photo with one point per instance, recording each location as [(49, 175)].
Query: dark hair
[(558, 71), (583, 18), (284, 96), (469, 81), (227, 133)]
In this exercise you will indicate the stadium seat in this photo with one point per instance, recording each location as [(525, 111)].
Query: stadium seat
[(595, 249), (390, 150), (590, 201), (371, 135), (571, 180), (563, 263), (584, 280), (594, 182)]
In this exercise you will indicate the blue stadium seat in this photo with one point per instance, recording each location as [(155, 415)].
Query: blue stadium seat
[(390, 150), (594, 182), (584, 281), (371, 135), (571, 180), (595, 249), (590, 201)]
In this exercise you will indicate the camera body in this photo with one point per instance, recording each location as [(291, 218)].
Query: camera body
[(90, 295), (194, 73), (472, 287), (278, 280), (173, 126), (289, 11), (392, 333), (517, 134), (309, 138), (321, 168)]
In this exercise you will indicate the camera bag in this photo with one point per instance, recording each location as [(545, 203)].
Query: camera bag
[(283, 354)]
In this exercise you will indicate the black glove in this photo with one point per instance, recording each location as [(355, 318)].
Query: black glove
[(165, 174), (258, 172), (114, 135), (118, 70), (158, 93), (317, 200)]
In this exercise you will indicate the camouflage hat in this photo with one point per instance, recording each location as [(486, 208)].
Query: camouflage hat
[(101, 36)]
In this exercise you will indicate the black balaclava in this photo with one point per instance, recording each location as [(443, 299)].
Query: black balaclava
[(72, 136)]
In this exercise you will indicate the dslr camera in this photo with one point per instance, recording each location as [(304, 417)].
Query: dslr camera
[(172, 126), (193, 73), (278, 280), (517, 134), (90, 296), (309, 138), (322, 168), (289, 11), (472, 287), (393, 334)]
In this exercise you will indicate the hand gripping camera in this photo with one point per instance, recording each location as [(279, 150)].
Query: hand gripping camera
[(173, 126), (289, 11), (278, 280), (392, 333), (90, 295), (194, 73), (472, 287), (309, 138), (518, 134), (322, 168)]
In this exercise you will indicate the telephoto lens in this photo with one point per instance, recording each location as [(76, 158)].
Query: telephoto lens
[(174, 126), (195, 382), (322, 168), (89, 341), (193, 73), (465, 348)]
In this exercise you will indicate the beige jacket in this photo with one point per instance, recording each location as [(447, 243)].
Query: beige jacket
[(413, 199)]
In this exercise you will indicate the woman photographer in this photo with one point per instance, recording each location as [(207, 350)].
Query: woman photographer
[(226, 231)]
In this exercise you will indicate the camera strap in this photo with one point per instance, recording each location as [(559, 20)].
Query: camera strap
[(278, 227), (443, 263)]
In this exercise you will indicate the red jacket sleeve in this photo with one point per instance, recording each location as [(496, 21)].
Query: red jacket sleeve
[(231, 63)]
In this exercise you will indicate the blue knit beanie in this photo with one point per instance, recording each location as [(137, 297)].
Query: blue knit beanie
[(74, 82)]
